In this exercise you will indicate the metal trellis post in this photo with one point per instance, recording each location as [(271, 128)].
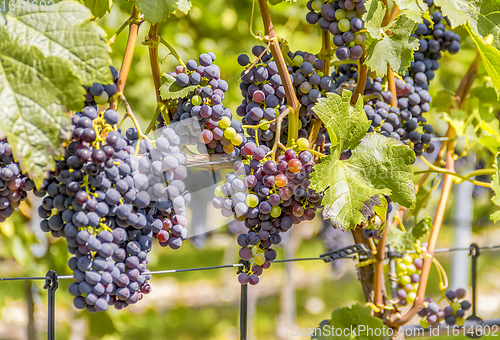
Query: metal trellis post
[(51, 285), (243, 312)]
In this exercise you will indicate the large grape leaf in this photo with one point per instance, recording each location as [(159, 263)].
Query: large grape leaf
[(403, 241), (375, 12), (355, 323), (346, 124), (33, 90), (169, 89), (378, 166), (99, 7), (395, 49), (495, 185), (156, 11), (66, 31), (491, 58), (413, 9)]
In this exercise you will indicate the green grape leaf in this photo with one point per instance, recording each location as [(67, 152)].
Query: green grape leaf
[(356, 322), (456, 10), (375, 11), (413, 9), (99, 7), (66, 31), (156, 11), (169, 89), (378, 166), (396, 49), (33, 91), (403, 241), (491, 59), (346, 124), (495, 185)]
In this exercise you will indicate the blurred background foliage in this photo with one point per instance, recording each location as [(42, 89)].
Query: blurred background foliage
[(205, 304)]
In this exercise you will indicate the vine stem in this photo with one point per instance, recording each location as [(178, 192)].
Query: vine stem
[(111, 40), (392, 86), (130, 114), (293, 102), (153, 58), (379, 268), (127, 57), (460, 95), (362, 75), (173, 51), (279, 120), (438, 220), (467, 177)]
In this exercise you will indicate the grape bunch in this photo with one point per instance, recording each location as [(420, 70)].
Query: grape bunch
[(91, 200), (343, 19), (404, 122), (200, 118), (434, 38), (265, 98), (158, 181), (99, 94), (14, 185), (408, 270), (455, 312), (431, 314), (269, 196)]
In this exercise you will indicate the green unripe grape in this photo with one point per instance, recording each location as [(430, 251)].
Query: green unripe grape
[(218, 192), (411, 297), (224, 123), (316, 5), (340, 14), (196, 100), (400, 268), (298, 60), (456, 306), (275, 2), (302, 144), (359, 38), (407, 259), (410, 269), (229, 133), (351, 44), (305, 87), (275, 212), (344, 25), (252, 200), (237, 140), (259, 259), (264, 127), (300, 125), (404, 280), (415, 287), (102, 99), (460, 322), (424, 323)]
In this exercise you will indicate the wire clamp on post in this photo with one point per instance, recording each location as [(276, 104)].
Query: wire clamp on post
[(51, 284), (362, 250)]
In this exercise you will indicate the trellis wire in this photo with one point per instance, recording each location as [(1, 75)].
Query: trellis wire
[(51, 281)]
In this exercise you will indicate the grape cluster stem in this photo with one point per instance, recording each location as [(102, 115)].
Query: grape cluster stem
[(293, 119), (127, 57)]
